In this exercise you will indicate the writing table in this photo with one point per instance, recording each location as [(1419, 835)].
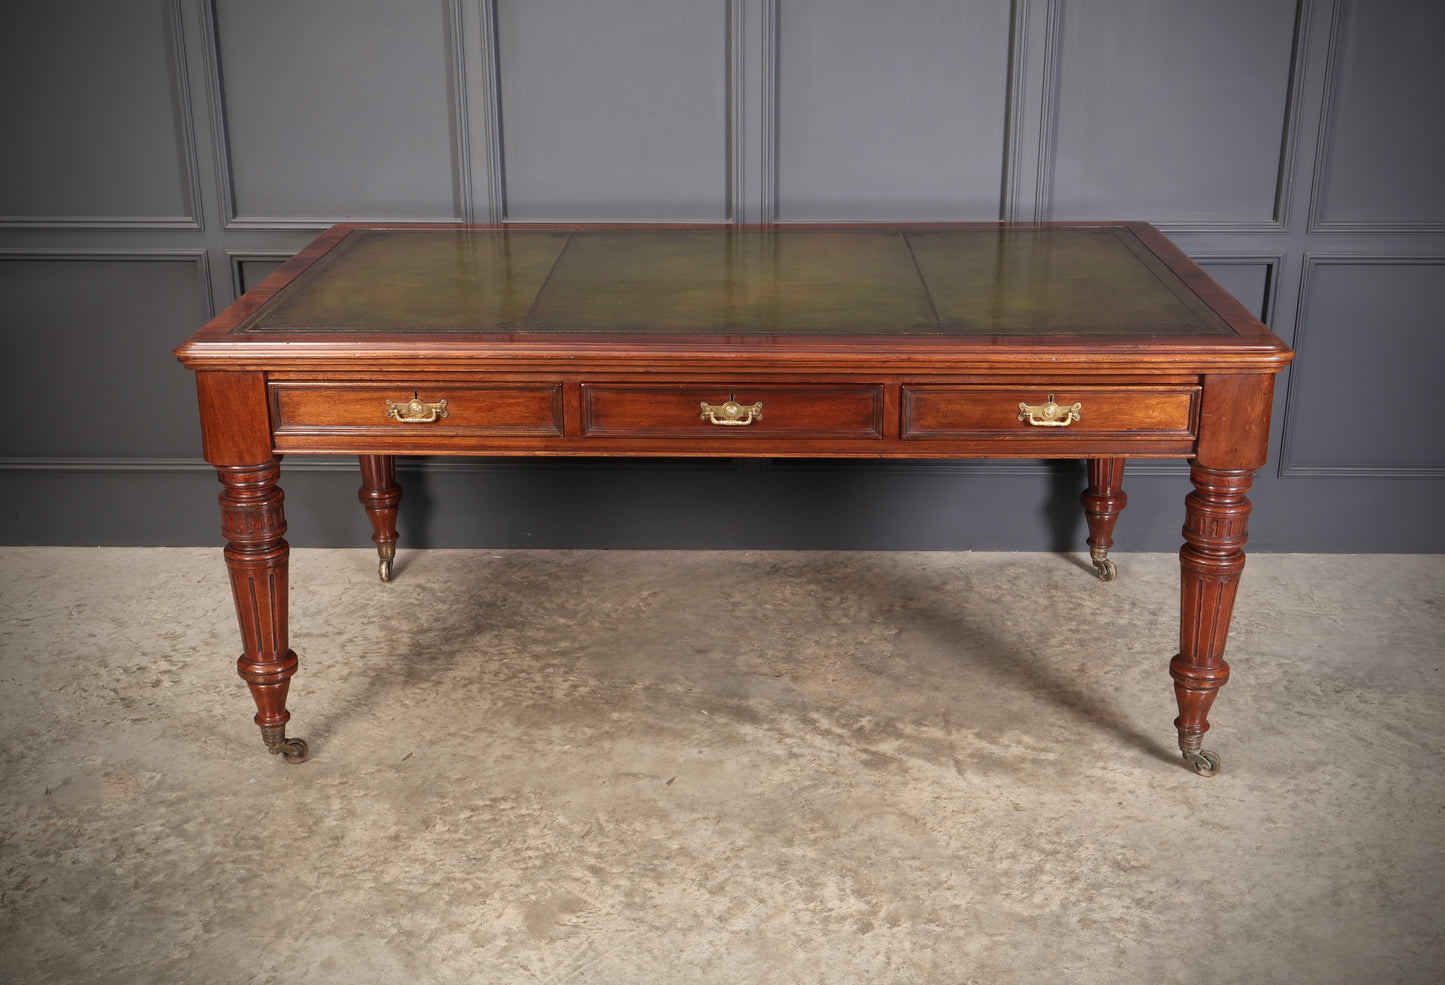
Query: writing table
[(1094, 341)]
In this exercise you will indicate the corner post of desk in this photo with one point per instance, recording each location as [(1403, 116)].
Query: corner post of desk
[(236, 437), (1233, 443)]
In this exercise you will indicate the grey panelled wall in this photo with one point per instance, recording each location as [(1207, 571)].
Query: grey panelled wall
[(869, 120), (614, 109), (336, 108), (162, 155)]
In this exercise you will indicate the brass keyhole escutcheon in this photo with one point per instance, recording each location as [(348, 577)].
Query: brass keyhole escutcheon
[(732, 413), (416, 410), (1049, 414)]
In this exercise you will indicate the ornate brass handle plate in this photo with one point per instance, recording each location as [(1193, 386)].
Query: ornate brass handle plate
[(731, 414), (1049, 414), (416, 410)]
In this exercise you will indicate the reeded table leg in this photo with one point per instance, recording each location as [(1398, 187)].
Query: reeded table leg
[(1215, 530), (1104, 500), (380, 494), (254, 523)]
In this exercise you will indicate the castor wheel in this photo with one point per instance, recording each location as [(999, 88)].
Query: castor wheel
[(1106, 569), (1205, 763), (292, 750), (384, 569)]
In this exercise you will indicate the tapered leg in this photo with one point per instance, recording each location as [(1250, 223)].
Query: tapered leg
[(1104, 500), (254, 523), (380, 494), (1215, 530)]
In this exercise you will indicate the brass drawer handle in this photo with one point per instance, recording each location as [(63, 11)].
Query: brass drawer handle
[(1050, 414), (416, 410), (732, 413)]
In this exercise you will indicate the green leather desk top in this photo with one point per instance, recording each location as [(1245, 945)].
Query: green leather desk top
[(1077, 281)]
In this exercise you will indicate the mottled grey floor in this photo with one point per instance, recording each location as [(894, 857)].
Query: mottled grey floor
[(620, 767)]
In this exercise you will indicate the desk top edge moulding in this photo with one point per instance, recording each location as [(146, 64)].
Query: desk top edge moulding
[(1099, 341)]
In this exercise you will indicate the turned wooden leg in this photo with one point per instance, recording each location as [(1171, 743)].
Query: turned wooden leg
[(380, 494), (253, 523), (1215, 529), (1104, 500)]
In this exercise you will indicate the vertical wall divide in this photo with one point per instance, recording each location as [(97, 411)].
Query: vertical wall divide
[(1289, 145)]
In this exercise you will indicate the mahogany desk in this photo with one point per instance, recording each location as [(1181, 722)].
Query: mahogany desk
[(1094, 341)]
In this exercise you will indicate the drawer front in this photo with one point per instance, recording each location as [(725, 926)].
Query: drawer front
[(736, 412), (462, 408), (991, 411)]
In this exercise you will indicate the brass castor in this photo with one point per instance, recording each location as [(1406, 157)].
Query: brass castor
[(293, 750), (1191, 745), (1106, 569), (386, 553), (1205, 763)]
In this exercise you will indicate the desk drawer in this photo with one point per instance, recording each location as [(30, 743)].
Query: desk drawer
[(944, 411), (461, 408), (736, 412)]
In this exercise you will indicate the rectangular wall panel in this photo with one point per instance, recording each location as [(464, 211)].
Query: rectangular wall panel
[(92, 120), (1364, 387), (1171, 110), (891, 111), (250, 269), (94, 334), (1384, 144), (614, 109), (1248, 280), (339, 108)]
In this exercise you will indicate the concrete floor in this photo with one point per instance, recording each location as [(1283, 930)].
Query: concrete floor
[(706, 767)]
